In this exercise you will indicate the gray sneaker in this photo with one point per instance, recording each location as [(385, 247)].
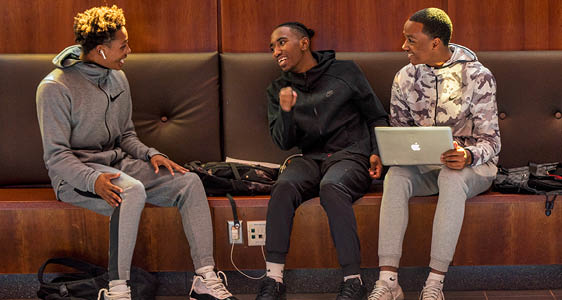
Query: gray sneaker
[(432, 290), (382, 291), (210, 288), (119, 292)]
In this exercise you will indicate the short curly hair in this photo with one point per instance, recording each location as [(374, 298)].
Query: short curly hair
[(97, 25)]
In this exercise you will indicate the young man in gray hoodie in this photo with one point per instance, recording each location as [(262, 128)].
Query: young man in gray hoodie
[(96, 161), (444, 85)]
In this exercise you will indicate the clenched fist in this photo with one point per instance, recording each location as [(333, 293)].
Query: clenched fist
[(287, 98)]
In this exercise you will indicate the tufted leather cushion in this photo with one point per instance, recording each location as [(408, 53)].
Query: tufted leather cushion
[(529, 93), (176, 103), (21, 150), (244, 78), (529, 96), (175, 109)]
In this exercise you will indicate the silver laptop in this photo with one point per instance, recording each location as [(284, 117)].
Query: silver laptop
[(406, 146)]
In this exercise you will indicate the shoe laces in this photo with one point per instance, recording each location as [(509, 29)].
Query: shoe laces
[(214, 284), (349, 287), (379, 291), (268, 287), (432, 292), (106, 294)]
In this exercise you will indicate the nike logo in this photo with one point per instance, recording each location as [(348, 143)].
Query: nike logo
[(112, 98), (269, 270)]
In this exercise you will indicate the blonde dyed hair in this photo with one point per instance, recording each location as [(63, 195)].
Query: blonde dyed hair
[(97, 25)]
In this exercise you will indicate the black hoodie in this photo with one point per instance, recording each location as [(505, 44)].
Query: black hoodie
[(336, 109)]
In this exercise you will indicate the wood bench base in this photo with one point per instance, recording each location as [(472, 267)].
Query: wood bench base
[(498, 229)]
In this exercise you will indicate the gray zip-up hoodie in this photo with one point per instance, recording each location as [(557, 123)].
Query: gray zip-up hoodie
[(84, 113)]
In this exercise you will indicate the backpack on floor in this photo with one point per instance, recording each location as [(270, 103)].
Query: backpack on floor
[(220, 178), (86, 282), (542, 179)]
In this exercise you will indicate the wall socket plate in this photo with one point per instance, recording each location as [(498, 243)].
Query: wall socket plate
[(256, 233), (234, 234)]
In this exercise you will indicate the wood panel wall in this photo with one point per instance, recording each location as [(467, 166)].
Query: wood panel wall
[(45, 26), (376, 25), (507, 24), (353, 25)]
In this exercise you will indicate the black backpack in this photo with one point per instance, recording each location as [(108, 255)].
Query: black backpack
[(220, 178), (88, 280), (543, 179)]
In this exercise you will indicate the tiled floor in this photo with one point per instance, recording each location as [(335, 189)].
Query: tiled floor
[(453, 295)]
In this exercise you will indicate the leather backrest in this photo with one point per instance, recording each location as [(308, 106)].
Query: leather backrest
[(529, 96), (21, 150), (244, 79), (182, 88), (176, 103)]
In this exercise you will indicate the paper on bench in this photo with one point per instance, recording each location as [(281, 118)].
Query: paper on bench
[(251, 162)]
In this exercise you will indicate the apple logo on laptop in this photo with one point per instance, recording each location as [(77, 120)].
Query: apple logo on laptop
[(415, 147)]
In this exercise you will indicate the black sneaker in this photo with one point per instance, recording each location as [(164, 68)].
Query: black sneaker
[(352, 289), (271, 290)]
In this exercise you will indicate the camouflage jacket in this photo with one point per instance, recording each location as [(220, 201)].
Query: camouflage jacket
[(461, 94)]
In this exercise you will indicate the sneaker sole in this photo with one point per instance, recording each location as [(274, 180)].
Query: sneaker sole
[(282, 297)]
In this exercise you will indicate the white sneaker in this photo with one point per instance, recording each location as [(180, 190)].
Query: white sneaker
[(432, 290), (210, 288), (118, 292), (382, 291)]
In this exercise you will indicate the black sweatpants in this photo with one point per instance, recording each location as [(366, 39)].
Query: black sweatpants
[(339, 180)]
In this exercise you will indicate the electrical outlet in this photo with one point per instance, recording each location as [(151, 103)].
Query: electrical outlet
[(234, 234), (256, 233)]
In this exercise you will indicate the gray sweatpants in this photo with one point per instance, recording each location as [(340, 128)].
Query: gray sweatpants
[(453, 186), (140, 184)]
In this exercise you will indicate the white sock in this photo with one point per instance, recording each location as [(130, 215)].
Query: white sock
[(390, 277), (435, 276), (206, 272), (275, 271), (118, 285), (346, 278)]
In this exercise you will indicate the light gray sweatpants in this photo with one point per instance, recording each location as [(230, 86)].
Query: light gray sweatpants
[(454, 187), (140, 184)]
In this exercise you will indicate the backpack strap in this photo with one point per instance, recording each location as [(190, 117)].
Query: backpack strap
[(193, 164), (234, 212), (549, 204), (72, 263), (235, 171)]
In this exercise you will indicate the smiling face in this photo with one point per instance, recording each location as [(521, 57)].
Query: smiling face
[(420, 47), (115, 51), (288, 49)]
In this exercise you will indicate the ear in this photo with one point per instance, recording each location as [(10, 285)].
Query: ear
[(99, 48), (435, 43), (304, 43)]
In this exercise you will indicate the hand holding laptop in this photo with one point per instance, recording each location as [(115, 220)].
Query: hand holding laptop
[(375, 171), (457, 158)]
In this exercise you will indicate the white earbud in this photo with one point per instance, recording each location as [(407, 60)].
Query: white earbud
[(102, 54)]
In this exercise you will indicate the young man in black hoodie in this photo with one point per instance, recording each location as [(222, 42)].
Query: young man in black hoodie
[(327, 109)]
